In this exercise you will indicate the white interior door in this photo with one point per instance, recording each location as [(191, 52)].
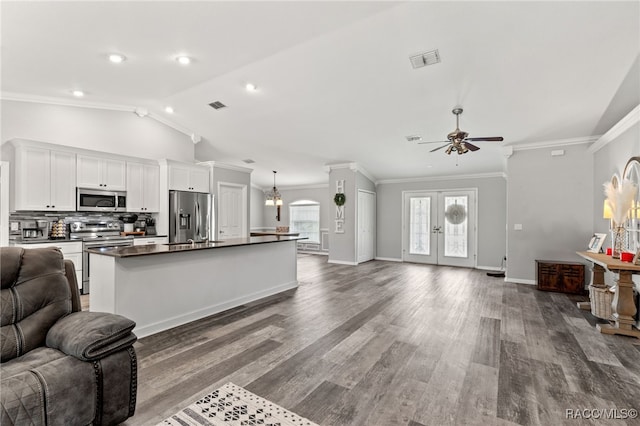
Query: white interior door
[(232, 212), (366, 225), (440, 227)]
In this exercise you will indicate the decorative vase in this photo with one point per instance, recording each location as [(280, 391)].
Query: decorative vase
[(619, 241)]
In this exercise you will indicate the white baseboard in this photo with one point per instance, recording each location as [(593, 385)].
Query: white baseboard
[(342, 262), (489, 268), (520, 281), (389, 259), (210, 310)]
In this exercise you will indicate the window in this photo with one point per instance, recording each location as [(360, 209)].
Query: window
[(305, 218)]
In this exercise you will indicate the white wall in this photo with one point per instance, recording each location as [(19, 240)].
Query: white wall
[(492, 211), (552, 198), (109, 131)]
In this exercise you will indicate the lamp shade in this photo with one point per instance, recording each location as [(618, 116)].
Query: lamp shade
[(606, 210)]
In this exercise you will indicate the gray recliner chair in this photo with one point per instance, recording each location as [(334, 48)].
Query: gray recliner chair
[(58, 364)]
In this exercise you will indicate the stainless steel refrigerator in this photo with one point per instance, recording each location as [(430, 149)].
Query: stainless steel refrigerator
[(191, 216)]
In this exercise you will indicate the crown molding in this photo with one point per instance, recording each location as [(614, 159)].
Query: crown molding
[(619, 128), (441, 178), (140, 112), (355, 167), (298, 187), (227, 166), (552, 143)]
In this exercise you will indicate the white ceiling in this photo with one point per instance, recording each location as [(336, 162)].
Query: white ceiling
[(334, 80)]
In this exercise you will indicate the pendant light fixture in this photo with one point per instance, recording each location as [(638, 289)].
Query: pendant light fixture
[(273, 197)]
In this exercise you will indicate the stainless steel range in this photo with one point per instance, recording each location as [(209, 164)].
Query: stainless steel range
[(96, 234)]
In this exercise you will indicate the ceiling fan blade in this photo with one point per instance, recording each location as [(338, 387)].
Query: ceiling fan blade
[(490, 139), (420, 143), (470, 146), (447, 144)]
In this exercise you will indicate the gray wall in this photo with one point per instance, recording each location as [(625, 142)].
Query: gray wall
[(607, 161), (342, 247), (115, 132), (256, 209), (491, 215), (321, 195), (552, 198)]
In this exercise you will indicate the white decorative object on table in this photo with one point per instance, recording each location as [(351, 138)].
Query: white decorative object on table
[(620, 199)]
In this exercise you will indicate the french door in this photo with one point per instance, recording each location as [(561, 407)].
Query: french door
[(439, 227)]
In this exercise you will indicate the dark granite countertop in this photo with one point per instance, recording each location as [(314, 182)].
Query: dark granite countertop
[(146, 250)]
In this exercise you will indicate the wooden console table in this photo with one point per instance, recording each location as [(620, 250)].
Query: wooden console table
[(623, 304)]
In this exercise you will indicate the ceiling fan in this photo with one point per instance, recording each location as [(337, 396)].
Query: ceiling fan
[(458, 140)]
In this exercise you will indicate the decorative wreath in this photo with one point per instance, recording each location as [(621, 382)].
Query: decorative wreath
[(339, 199), (456, 214)]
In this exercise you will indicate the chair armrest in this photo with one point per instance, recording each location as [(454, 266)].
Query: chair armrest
[(89, 336)]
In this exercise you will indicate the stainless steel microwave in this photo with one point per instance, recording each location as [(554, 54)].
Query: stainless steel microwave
[(95, 200)]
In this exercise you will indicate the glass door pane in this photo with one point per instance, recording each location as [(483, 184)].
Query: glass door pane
[(419, 224), (456, 219)]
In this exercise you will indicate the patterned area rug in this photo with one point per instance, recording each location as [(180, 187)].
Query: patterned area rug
[(231, 405)]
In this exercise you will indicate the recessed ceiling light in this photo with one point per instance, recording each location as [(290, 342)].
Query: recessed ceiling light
[(251, 87), (77, 93), (183, 60), (168, 110), (117, 58)]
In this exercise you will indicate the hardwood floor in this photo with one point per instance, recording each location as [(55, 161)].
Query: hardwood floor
[(388, 343)]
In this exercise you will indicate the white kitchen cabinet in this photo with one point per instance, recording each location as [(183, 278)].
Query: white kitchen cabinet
[(188, 178), (145, 241), (44, 179), (70, 250), (143, 187), (101, 173)]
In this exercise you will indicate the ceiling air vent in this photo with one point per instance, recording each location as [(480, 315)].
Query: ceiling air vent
[(423, 59), (414, 138), (217, 105)]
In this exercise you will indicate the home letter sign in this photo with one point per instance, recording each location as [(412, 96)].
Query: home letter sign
[(340, 209)]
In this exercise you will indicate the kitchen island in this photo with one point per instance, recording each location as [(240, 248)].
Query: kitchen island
[(162, 286)]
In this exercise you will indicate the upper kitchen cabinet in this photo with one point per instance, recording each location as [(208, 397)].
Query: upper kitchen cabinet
[(143, 187), (101, 173), (44, 179), (186, 177)]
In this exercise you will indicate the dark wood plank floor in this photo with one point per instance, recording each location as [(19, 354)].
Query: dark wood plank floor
[(388, 343)]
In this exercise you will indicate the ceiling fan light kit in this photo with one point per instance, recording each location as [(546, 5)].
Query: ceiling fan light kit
[(458, 141)]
